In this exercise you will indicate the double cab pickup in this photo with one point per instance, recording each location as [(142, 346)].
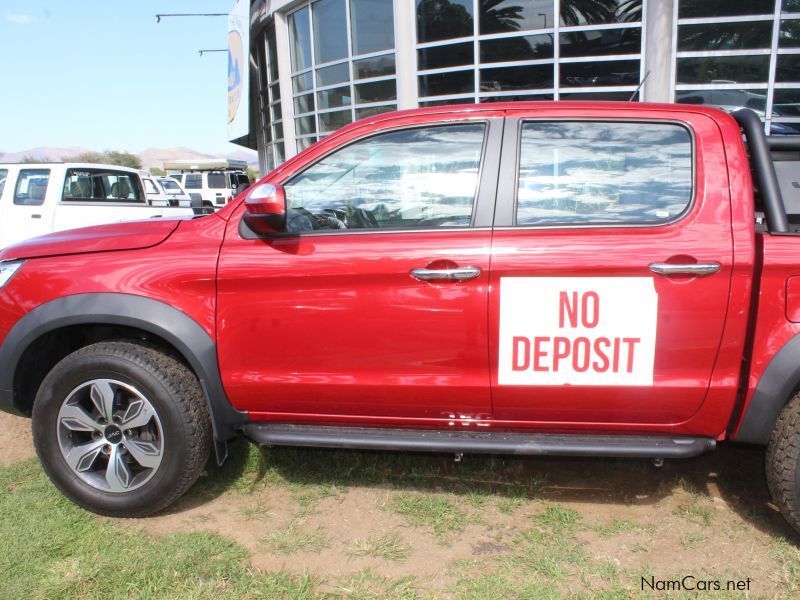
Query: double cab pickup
[(582, 279)]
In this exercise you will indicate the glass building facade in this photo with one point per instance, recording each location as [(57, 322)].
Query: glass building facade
[(321, 64)]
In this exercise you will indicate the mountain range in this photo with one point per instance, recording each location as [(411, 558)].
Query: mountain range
[(150, 157)]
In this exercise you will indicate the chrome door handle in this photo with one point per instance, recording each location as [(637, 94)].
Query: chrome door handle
[(454, 274), (698, 269)]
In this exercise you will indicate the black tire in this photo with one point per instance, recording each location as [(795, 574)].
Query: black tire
[(174, 393), (783, 463)]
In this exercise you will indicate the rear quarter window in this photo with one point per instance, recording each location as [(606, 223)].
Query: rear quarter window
[(194, 181), (216, 181), (595, 173)]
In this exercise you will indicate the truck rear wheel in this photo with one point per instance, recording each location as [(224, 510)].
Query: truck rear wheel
[(783, 462), (121, 429)]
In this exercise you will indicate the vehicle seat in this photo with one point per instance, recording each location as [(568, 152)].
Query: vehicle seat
[(80, 188), (121, 189), (36, 191)]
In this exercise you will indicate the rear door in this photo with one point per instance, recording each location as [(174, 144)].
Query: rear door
[(350, 314), (611, 265)]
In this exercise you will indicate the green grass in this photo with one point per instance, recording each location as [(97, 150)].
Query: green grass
[(389, 547), (617, 527), (695, 512), (53, 549), (438, 512), (368, 585), (558, 518), (295, 538)]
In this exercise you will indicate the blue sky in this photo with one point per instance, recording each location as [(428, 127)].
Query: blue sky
[(102, 74)]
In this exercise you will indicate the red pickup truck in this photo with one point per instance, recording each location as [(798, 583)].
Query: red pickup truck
[(594, 279)]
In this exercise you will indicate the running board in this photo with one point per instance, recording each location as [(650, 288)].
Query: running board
[(478, 442)]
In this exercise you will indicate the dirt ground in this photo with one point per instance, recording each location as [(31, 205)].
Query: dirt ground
[(707, 517)]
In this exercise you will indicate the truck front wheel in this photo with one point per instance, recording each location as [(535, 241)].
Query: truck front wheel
[(121, 429), (783, 462)]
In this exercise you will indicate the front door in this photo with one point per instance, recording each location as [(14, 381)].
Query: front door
[(611, 266), (353, 313), (25, 214)]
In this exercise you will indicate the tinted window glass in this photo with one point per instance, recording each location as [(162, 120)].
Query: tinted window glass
[(517, 78), (601, 43), (330, 30), (216, 181), (528, 47), (442, 84), (31, 187), (376, 91), (3, 176), (423, 177), (724, 69), (332, 74), (725, 36), (101, 185), (443, 19), (194, 181), (377, 66), (600, 12), (452, 55), (300, 39), (499, 16), (373, 25), (724, 8), (595, 173), (595, 74)]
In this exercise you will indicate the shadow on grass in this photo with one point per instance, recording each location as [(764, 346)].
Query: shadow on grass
[(735, 473)]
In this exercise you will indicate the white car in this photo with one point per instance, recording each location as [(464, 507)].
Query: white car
[(156, 195), (217, 181), (173, 188), (40, 198)]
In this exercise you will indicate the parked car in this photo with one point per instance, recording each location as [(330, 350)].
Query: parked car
[(154, 192), (41, 198), (576, 279), (217, 181), (173, 188)]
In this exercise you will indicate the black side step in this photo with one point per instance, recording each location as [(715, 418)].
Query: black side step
[(478, 442)]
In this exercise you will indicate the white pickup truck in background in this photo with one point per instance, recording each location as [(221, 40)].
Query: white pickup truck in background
[(40, 198)]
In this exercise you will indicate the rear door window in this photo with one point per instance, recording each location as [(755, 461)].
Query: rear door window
[(31, 187), (595, 173), (216, 181), (194, 181), (102, 185)]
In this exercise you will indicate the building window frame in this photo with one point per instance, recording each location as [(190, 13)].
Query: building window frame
[(554, 92), (774, 51), (304, 140)]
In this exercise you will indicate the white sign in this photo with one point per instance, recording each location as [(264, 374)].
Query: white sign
[(239, 70), (577, 330)]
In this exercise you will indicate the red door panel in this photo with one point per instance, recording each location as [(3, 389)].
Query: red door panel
[(336, 325), (689, 313)]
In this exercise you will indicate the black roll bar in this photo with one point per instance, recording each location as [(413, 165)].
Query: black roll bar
[(784, 142), (765, 171)]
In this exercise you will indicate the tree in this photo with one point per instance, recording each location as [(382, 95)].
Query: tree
[(108, 157), (157, 172)]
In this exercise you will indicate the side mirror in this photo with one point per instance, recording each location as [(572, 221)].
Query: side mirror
[(265, 208)]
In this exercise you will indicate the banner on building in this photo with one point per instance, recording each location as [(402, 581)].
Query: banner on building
[(238, 70)]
